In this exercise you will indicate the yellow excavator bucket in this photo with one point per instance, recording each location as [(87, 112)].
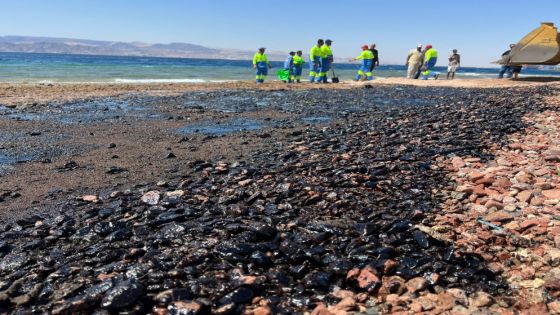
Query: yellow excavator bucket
[(540, 47)]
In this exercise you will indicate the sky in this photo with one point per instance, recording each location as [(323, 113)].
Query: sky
[(480, 29)]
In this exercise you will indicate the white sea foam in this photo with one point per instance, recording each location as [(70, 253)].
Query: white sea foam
[(169, 81)]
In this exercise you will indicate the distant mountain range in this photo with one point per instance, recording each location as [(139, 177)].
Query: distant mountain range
[(27, 44)]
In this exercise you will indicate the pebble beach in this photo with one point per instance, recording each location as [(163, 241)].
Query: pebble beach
[(387, 197)]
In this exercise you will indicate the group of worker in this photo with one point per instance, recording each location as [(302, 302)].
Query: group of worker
[(321, 59), (419, 61)]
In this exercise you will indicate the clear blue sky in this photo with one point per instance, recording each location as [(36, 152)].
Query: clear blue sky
[(480, 29)]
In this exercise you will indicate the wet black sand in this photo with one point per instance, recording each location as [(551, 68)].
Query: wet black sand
[(274, 194)]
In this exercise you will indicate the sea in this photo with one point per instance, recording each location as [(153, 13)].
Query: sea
[(66, 68)]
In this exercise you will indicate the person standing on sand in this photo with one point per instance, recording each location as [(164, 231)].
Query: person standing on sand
[(289, 65), (367, 59), (326, 61), (414, 62), (261, 65), (419, 72), (430, 60), (506, 67), (454, 64), (375, 57), (315, 56), (298, 66)]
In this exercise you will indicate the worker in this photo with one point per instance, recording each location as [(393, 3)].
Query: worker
[(367, 59), (454, 64), (430, 60), (315, 56), (298, 66), (414, 61), (375, 52), (506, 68), (327, 59), (261, 64), (289, 66)]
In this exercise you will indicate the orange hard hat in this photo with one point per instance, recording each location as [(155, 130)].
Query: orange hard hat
[(365, 47), (428, 46)]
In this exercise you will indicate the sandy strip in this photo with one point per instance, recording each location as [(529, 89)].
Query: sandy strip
[(38, 94)]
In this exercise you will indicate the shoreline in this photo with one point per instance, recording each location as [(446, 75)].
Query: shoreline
[(29, 94), (333, 193)]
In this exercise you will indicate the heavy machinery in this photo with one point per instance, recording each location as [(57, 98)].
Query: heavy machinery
[(540, 47)]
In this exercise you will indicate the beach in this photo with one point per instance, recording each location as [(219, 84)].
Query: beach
[(14, 94), (386, 196)]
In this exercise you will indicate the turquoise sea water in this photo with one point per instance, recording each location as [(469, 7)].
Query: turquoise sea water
[(61, 68)]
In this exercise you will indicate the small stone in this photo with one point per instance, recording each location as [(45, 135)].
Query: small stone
[(341, 294), (498, 216), (245, 183), (533, 222), (368, 280), (537, 201), (552, 158), (184, 308), (347, 304), (116, 194), (474, 176), (321, 309), (481, 299), (416, 284), (151, 198), (389, 265), (123, 295), (551, 194), (90, 198), (524, 196), (502, 183), (445, 302), (263, 310), (494, 204), (175, 194)]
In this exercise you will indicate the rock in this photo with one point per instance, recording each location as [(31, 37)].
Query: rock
[(239, 296), (245, 182), (502, 183), (347, 304), (498, 216), (186, 308), (166, 297), (551, 194), (113, 170), (552, 158), (494, 204), (151, 198), (474, 176), (341, 294), (533, 222), (421, 239), (175, 194), (524, 196), (481, 299), (416, 284), (321, 309), (263, 310), (123, 295), (90, 198), (445, 302), (458, 162), (368, 280)]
